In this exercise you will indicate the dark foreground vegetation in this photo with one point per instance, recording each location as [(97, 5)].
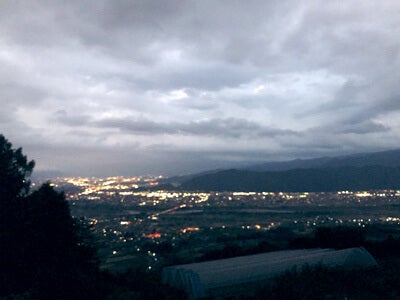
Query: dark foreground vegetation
[(322, 283), (47, 254)]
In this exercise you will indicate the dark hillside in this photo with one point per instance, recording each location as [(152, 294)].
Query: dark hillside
[(299, 180), (385, 158)]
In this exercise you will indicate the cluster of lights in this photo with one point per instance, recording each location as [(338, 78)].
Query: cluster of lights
[(392, 219), (188, 229), (109, 185), (156, 235)]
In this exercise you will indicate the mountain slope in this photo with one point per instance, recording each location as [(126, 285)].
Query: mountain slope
[(299, 180), (389, 158)]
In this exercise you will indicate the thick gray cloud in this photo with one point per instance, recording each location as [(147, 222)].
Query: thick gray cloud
[(136, 87), (231, 127)]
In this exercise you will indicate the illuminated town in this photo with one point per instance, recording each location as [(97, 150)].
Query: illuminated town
[(133, 219)]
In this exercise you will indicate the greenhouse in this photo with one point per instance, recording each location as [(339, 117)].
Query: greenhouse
[(198, 279)]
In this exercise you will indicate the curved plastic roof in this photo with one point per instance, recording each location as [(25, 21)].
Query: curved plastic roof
[(198, 278)]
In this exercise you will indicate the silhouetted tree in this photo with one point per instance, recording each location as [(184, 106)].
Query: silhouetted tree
[(14, 172), (44, 252), (14, 186)]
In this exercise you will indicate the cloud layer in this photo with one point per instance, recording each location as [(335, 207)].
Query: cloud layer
[(137, 87)]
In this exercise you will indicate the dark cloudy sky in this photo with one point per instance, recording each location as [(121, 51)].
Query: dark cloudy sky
[(166, 87)]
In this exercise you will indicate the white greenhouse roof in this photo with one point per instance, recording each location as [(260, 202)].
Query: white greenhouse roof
[(198, 278)]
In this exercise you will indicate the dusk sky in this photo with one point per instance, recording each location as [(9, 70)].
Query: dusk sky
[(172, 87)]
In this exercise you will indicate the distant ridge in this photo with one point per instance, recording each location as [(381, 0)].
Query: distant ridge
[(178, 180), (299, 180), (379, 170), (388, 158)]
